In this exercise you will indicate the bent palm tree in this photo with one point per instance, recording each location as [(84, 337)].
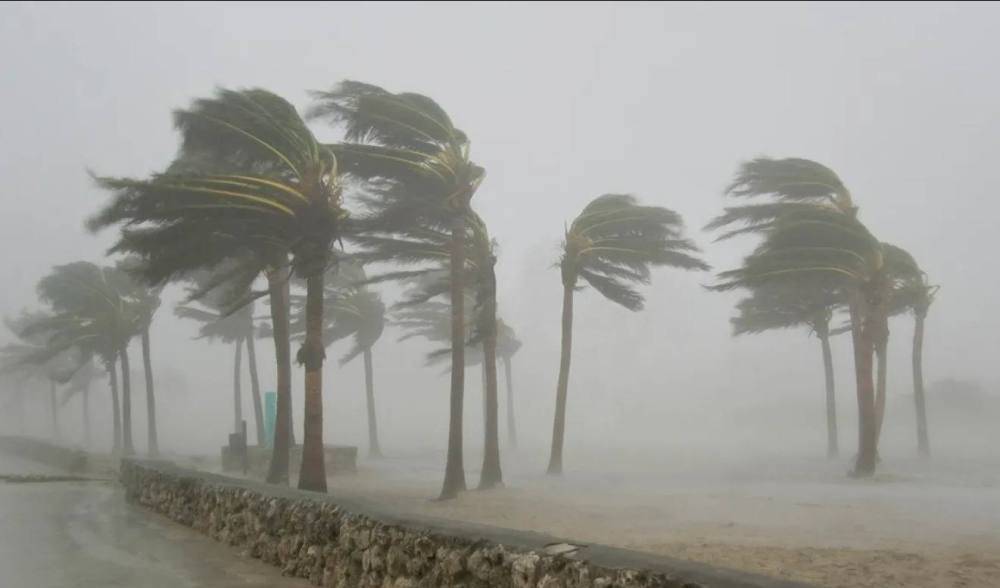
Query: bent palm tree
[(610, 245), (147, 301), (783, 306), (284, 196), (95, 309), (916, 295), (417, 168), (810, 229), (507, 346)]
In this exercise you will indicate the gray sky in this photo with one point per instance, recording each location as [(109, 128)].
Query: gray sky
[(562, 103)]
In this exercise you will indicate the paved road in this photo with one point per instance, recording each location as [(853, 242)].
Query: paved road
[(84, 535)]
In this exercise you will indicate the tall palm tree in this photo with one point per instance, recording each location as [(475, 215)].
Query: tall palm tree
[(417, 170), (900, 269), (268, 188), (610, 245), (32, 358), (810, 228), (146, 300), (507, 346), (479, 307), (95, 308), (354, 311), (916, 295), (805, 303)]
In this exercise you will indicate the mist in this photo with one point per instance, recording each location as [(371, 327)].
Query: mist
[(563, 103)]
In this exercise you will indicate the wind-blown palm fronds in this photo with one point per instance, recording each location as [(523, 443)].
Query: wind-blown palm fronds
[(263, 186), (811, 231), (611, 245), (415, 174)]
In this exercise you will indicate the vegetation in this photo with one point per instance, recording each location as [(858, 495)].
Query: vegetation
[(810, 230), (254, 196), (420, 179), (264, 184), (612, 244)]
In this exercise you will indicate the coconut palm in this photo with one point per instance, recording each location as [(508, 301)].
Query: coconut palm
[(507, 346), (810, 228), (354, 311), (146, 299), (262, 186), (33, 359), (96, 309), (480, 309), (900, 269), (612, 244), (794, 305), (416, 168), (915, 294)]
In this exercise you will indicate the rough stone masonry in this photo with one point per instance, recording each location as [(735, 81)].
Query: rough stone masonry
[(341, 544)]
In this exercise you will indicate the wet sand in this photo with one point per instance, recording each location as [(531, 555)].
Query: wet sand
[(798, 519)]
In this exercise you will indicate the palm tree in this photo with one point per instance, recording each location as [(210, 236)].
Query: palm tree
[(147, 301), (610, 245), (480, 309), (33, 359), (352, 310), (810, 228), (96, 310), (900, 269), (802, 304), (915, 294), (262, 184), (507, 346), (416, 166)]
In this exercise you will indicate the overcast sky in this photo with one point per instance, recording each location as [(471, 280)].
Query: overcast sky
[(562, 102)]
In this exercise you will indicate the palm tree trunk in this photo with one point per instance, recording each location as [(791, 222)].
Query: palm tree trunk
[(832, 448), (237, 387), (923, 442), (153, 445), (53, 405), (491, 476), (454, 471), (867, 418), (116, 415), (86, 415), (511, 428), (278, 297), (482, 387), (881, 370), (374, 450), (128, 447), (258, 408), (559, 424), (312, 474)]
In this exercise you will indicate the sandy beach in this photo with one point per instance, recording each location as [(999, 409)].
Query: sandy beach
[(800, 519)]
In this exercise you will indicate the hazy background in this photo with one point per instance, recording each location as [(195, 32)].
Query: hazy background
[(562, 103)]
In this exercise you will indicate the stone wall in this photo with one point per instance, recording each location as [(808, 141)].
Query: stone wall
[(338, 543)]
